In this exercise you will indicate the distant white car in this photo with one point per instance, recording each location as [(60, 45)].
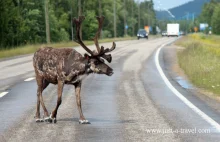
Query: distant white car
[(164, 33), (182, 33)]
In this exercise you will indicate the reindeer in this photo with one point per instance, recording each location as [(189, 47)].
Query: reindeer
[(67, 66)]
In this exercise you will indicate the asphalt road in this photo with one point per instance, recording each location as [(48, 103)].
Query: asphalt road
[(135, 104)]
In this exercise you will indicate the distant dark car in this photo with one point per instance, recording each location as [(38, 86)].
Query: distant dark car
[(142, 33)]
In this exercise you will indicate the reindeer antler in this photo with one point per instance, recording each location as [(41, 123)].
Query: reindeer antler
[(102, 51), (100, 22), (78, 39)]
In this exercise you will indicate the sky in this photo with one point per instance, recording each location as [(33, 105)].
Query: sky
[(167, 4)]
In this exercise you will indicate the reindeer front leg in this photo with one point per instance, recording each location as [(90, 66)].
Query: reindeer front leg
[(82, 119)]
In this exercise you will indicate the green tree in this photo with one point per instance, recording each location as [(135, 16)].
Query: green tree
[(216, 20), (207, 12), (9, 23), (90, 25), (33, 22)]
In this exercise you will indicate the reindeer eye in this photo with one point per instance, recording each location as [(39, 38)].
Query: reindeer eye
[(96, 62)]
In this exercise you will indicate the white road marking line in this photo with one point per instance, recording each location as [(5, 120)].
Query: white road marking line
[(29, 79), (180, 96), (3, 93)]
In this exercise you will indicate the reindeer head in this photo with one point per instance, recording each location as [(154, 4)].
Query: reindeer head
[(96, 59)]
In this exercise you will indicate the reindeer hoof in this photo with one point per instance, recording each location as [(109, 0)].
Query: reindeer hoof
[(50, 119), (39, 120), (84, 122), (46, 119)]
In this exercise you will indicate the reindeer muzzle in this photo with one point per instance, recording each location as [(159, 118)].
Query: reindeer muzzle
[(110, 72)]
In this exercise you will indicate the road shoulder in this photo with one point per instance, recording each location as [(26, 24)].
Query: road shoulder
[(173, 69)]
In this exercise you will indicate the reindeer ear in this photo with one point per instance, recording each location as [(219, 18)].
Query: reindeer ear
[(87, 56), (107, 57)]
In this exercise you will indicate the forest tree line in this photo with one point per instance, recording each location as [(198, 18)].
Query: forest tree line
[(211, 15), (29, 21)]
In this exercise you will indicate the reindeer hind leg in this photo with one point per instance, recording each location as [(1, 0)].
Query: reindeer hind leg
[(39, 93), (45, 83)]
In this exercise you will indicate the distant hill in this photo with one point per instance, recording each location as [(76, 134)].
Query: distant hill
[(182, 10)]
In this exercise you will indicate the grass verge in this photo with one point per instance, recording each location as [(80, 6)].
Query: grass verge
[(200, 60), (27, 49)]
